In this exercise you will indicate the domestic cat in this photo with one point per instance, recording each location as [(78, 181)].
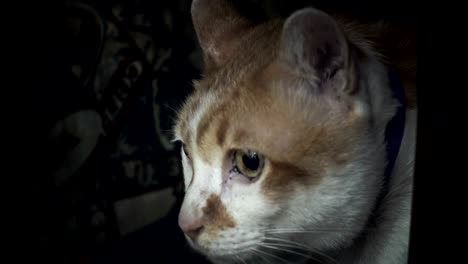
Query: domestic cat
[(286, 143)]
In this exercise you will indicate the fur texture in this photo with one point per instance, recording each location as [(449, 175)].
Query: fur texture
[(313, 99)]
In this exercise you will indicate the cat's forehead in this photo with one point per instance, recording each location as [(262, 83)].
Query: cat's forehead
[(298, 133), (300, 143), (254, 113)]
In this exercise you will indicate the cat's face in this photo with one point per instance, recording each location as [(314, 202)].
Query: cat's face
[(267, 153), (256, 165)]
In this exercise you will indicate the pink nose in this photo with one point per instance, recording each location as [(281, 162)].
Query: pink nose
[(191, 225)]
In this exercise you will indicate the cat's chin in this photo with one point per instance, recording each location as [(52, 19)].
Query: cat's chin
[(264, 257), (226, 256), (229, 246)]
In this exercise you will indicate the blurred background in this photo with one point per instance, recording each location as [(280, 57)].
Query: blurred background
[(104, 182)]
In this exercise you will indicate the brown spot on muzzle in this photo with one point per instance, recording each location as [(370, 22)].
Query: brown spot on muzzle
[(216, 216)]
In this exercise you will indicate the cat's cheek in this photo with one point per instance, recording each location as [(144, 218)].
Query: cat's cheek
[(228, 180), (235, 178)]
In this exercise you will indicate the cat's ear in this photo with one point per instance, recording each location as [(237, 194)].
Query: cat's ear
[(313, 46), (219, 26)]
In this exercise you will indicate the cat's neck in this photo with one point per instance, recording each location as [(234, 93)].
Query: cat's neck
[(393, 204)]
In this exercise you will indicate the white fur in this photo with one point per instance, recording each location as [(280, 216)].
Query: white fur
[(388, 244), (242, 202)]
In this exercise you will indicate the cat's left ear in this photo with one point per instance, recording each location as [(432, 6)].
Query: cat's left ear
[(314, 47)]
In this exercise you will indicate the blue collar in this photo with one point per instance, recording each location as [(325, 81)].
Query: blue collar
[(393, 138)]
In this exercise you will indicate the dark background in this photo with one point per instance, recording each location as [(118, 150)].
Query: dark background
[(82, 57)]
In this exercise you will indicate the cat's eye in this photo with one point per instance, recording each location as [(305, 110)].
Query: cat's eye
[(249, 163)]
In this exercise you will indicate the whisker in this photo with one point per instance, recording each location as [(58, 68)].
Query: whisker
[(287, 241), (171, 108), (297, 245), (324, 256), (275, 246), (285, 245), (241, 260), (273, 232), (261, 256), (295, 228), (307, 231), (271, 255)]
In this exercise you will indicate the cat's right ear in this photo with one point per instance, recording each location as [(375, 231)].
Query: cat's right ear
[(219, 26), (313, 46)]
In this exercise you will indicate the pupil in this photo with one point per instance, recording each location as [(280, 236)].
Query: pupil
[(251, 162)]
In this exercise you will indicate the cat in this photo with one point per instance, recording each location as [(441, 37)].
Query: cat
[(284, 143)]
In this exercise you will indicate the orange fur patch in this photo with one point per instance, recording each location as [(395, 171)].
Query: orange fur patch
[(280, 175)]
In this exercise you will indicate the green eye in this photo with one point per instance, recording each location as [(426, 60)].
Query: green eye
[(249, 163)]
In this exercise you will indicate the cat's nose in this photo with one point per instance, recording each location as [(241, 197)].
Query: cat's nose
[(191, 226), (194, 233)]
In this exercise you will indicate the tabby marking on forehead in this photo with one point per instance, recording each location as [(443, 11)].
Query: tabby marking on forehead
[(211, 115), (222, 131), (203, 106)]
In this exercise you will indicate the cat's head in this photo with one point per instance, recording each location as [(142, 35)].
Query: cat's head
[(278, 137)]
